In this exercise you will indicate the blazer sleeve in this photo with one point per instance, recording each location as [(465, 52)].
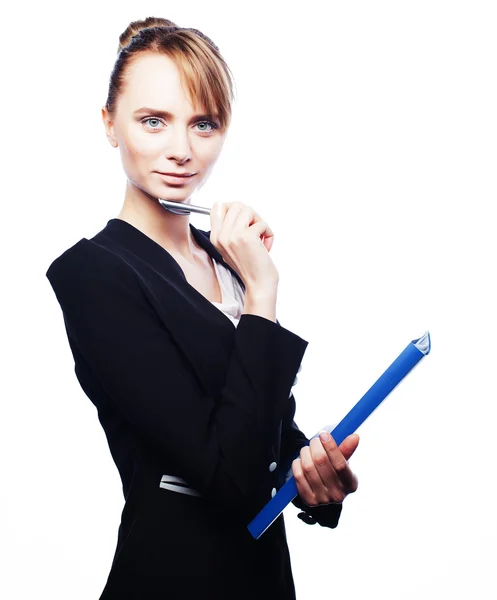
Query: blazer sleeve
[(292, 441), (221, 445)]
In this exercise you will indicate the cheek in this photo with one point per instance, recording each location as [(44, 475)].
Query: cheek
[(209, 153), (139, 148), (138, 152)]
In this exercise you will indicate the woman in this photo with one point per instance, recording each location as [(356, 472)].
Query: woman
[(175, 340)]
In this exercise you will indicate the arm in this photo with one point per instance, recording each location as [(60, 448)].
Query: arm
[(221, 445)]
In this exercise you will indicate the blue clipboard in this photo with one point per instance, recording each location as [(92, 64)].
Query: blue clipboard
[(395, 373)]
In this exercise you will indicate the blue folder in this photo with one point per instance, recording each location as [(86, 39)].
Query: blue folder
[(400, 367)]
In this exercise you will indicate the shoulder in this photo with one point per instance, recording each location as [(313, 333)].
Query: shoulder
[(86, 262)]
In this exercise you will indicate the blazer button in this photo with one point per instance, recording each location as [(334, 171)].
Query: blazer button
[(272, 466), (273, 492)]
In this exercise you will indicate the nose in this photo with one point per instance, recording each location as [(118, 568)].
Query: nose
[(178, 145)]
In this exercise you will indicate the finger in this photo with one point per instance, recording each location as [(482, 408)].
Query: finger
[(251, 220), (245, 218), (262, 229), (217, 215), (334, 489), (230, 225), (319, 489), (339, 462), (322, 462), (349, 445), (303, 487), (268, 242)]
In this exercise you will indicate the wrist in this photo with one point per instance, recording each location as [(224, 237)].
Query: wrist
[(261, 302)]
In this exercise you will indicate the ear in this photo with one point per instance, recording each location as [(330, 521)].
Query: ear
[(109, 128)]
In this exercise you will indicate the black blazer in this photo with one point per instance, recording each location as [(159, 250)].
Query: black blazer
[(180, 390)]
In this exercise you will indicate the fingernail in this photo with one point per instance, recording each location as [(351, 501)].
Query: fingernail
[(324, 436)]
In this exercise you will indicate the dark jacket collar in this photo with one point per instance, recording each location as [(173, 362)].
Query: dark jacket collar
[(144, 246)]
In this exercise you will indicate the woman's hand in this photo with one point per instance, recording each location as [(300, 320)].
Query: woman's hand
[(244, 241), (322, 473)]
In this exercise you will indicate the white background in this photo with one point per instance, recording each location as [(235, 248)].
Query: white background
[(365, 134)]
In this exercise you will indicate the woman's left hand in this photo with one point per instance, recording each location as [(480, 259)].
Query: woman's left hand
[(322, 473)]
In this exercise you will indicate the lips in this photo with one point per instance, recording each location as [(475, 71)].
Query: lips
[(185, 175), (175, 180)]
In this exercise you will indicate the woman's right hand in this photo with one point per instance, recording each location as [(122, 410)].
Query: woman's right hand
[(244, 241)]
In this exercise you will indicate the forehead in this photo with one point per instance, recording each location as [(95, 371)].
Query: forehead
[(153, 79)]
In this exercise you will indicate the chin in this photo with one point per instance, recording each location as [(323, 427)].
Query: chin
[(174, 194)]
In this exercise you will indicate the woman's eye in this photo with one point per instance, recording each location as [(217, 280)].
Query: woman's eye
[(152, 119), (212, 125)]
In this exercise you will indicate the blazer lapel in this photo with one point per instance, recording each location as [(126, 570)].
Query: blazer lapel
[(203, 240), (203, 333)]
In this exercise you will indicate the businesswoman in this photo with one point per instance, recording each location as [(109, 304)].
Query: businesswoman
[(176, 342)]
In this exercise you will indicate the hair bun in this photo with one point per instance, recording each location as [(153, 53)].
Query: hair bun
[(134, 28)]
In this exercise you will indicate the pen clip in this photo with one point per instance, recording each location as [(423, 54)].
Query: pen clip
[(174, 207)]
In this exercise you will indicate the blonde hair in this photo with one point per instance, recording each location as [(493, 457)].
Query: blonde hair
[(203, 70)]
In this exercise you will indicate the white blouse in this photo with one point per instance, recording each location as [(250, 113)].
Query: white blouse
[(232, 294)]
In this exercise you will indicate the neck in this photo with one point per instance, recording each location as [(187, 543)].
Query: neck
[(170, 231)]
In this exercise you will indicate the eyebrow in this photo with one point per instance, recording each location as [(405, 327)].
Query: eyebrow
[(168, 115)]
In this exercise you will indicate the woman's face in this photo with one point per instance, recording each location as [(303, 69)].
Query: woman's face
[(159, 131)]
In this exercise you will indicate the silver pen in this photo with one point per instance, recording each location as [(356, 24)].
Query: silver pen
[(178, 208)]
